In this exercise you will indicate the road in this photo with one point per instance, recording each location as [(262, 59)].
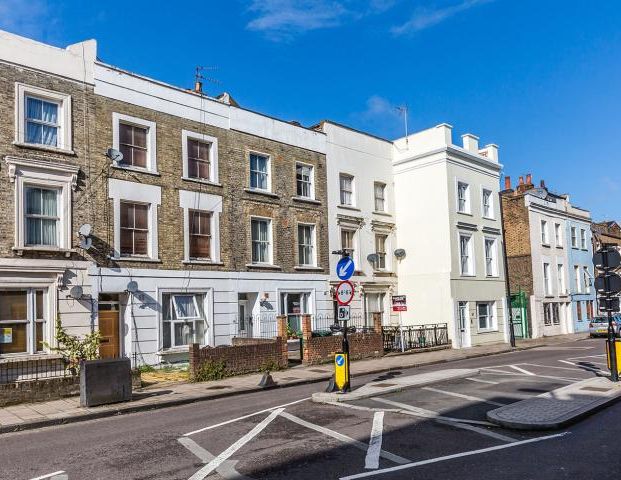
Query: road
[(445, 435)]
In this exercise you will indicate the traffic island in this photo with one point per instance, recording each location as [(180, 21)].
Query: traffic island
[(374, 389), (558, 408)]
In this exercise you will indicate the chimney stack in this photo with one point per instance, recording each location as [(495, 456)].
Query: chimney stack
[(471, 143), (529, 179), (521, 181), (507, 182)]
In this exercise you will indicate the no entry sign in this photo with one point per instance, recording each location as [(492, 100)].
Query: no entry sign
[(344, 292)]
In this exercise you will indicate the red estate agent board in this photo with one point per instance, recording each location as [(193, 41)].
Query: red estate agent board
[(399, 303)]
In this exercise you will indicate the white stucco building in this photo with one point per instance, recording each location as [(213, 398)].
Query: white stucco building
[(448, 222), (361, 214)]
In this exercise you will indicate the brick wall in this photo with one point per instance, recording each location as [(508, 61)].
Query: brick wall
[(322, 349), (38, 390), (245, 355)]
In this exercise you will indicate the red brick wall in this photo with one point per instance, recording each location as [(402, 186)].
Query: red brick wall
[(322, 349)]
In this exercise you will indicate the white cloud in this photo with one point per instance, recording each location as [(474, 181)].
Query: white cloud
[(380, 116), (28, 18), (428, 17)]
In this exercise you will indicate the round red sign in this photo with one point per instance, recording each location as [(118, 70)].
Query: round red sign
[(345, 292)]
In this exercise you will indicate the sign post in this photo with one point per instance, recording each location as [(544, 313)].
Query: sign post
[(608, 284), (399, 304)]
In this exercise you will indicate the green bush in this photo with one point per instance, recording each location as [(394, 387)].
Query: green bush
[(210, 371), (74, 349)]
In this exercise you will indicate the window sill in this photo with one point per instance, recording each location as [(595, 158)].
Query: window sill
[(66, 251), (261, 192), (136, 259), (264, 266), (176, 351), (202, 262), (306, 200), (137, 170), (547, 245), (202, 182), (383, 214), (469, 214), (467, 275), (349, 207), (492, 277), (311, 268), (488, 330), (559, 246), (45, 148), (383, 273), (488, 218)]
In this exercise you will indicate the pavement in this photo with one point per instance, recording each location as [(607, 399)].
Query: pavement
[(68, 410), (430, 431)]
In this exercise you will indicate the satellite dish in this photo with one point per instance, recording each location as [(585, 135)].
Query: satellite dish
[(132, 287), (400, 253), (372, 257), (114, 155), (85, 230), (76, 292), (86, 243)]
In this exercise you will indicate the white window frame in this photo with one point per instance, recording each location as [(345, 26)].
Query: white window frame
[(31, 318), (26, 173), (208, 317), (387, 266), (467, 210), (269, 171), (574, 237), (213, 156), (558, 235), (64, 116), (547, 279), (545, 233), (384, 208), (270, 247), (491, 214), (471, 262), (118, 118), (123, 191), (313, 244), (491, 316), (578, 279), (203, 202), (353, 190), (560, 274), (585, 278), (494, 256), (583, 239), (311, 195)]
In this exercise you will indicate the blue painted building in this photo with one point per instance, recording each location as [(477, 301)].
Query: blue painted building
[(580, 267)]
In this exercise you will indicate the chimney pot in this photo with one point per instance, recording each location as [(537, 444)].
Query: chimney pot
[(198, 87), (507, 182), (529, 179)]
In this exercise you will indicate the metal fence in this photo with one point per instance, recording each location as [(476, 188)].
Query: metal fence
[(321, 323), (415, 336), (15, 370), (262, 325)]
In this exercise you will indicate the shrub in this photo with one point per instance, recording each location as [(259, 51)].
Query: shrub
[(74, 349), (210, 371)]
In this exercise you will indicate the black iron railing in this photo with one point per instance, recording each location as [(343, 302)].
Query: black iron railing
[(415, 336), (321, 324), (23, 369)]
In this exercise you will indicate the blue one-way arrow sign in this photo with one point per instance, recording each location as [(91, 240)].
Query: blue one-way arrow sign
[(345, 268)]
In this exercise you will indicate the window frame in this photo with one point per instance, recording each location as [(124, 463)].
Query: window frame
[(547, 280), (270, 241), (351, 192), (268, 172), (578, 279), (187, 135), (583, 239), (545, 233), (382, 257), (382, 199), (117, 119), (63, 100), (312, 246), (470, 256), (41, 216), (574, 237), (209, 235), (207, 295), (560, 278), (467, 210), (585, 278), (494, 257), (491, 214), (31, 321), (310, 182), (491, 323), (558, 235), (207, 203), (133, 229)]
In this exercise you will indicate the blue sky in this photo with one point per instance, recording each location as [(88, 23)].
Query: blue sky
[(542, 79)]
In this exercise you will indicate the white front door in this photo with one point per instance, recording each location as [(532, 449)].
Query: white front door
[(463, 325)]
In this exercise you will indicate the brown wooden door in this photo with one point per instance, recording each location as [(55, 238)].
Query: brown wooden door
[(109, 329)]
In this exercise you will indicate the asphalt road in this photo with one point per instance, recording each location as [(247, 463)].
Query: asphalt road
[(445, 437)]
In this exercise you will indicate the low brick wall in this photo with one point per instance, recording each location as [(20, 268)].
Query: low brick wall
[(42, 390), (318, 350), (245, 355)]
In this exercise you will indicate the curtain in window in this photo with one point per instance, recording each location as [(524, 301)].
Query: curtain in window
[(41, 216), (41, 122), (185, 306)]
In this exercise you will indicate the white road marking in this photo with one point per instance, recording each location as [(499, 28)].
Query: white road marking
[(588, 356), (534, 376), (244, 417), (343, 438), (421, 412), (479, 380), (226, 470), (371, 461), (519, 369), (465, 397), (581, 367), (51, 475), (216, 462), (480, 430), (496, 371), (451, 457)]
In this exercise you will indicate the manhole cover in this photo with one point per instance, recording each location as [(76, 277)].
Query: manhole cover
[(217, 387), (318, 370), (596, 389), (384, 385)]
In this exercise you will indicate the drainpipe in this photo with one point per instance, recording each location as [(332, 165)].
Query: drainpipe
[(506, 265)]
